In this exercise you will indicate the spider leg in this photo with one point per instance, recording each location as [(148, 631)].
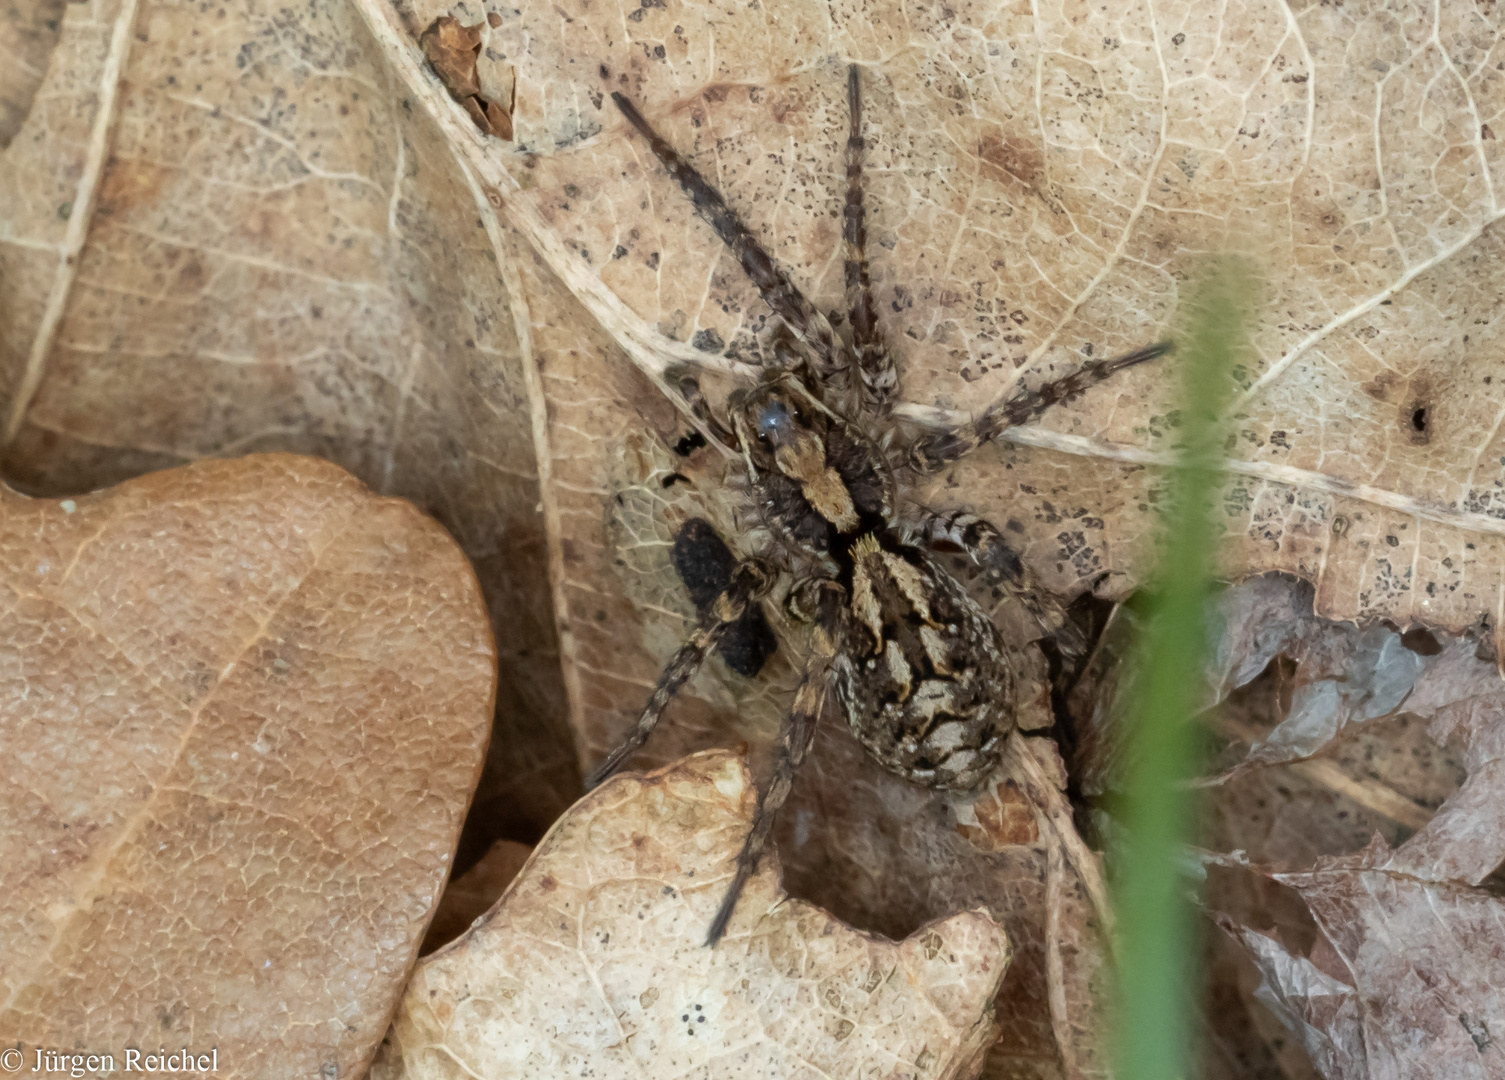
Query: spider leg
[(791, 305), (1002, 567), (750, 581), (932, 452), (795, 737), (875, 366)]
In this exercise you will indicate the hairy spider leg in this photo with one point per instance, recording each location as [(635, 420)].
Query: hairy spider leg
[(778, 292), (931, 452), (796, 735), (1002, 567), (751, 580), (875, 366)]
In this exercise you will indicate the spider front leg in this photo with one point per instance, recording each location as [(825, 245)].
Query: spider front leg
[(778, 292), (875, 366), (750, 582), (935, 451), (1002, 567), (795, 738)]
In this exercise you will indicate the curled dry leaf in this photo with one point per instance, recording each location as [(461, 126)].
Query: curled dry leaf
[(455, 51), (243, 706), (1345, 681), (594, 963), (1400, 979), (1360, 817)]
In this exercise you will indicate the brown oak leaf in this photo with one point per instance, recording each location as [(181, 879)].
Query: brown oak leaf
[(243, 706)]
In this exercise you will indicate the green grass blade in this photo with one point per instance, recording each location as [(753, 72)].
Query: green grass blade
[(1156, 973)]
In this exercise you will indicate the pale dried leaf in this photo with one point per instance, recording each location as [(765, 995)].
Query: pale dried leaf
[(594, 961), (243, 705)]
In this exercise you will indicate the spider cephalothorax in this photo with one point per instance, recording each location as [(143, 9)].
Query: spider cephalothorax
[(921, 673)]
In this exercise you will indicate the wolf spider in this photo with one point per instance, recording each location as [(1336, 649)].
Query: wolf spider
[(922, 674)]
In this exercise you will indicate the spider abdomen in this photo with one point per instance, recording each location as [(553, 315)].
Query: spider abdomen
[(925, 684)]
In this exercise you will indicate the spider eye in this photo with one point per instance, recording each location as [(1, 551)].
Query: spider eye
[(774, 422)]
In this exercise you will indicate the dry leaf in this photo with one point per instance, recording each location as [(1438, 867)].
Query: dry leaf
[(454, 49), (1039, 183), (1347, 679), (218, 243), (1351, 838), (594, 962), (469, 896), (244, 705), (1401, 980)]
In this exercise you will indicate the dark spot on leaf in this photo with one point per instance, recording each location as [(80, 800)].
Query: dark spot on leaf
[(708, 341), (1421, 641), (690, 443)]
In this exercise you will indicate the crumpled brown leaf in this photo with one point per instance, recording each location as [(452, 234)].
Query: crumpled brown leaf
[(1360, 817), (243, 705), (1346, 678), (594, 963), (1402, 980)]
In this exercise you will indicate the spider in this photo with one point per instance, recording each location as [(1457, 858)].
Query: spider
[(921, 673)]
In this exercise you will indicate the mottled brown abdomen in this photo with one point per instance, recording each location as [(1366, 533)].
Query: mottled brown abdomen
[(926, 685)]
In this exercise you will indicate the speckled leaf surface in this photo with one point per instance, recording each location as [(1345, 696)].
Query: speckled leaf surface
[(243, 707), (593, 961), (1042, 182)]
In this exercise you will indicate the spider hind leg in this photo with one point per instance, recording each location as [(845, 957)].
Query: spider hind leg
[(796, 735), (795, 738)]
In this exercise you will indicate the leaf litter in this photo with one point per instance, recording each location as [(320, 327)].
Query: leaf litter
[(451, 319)]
